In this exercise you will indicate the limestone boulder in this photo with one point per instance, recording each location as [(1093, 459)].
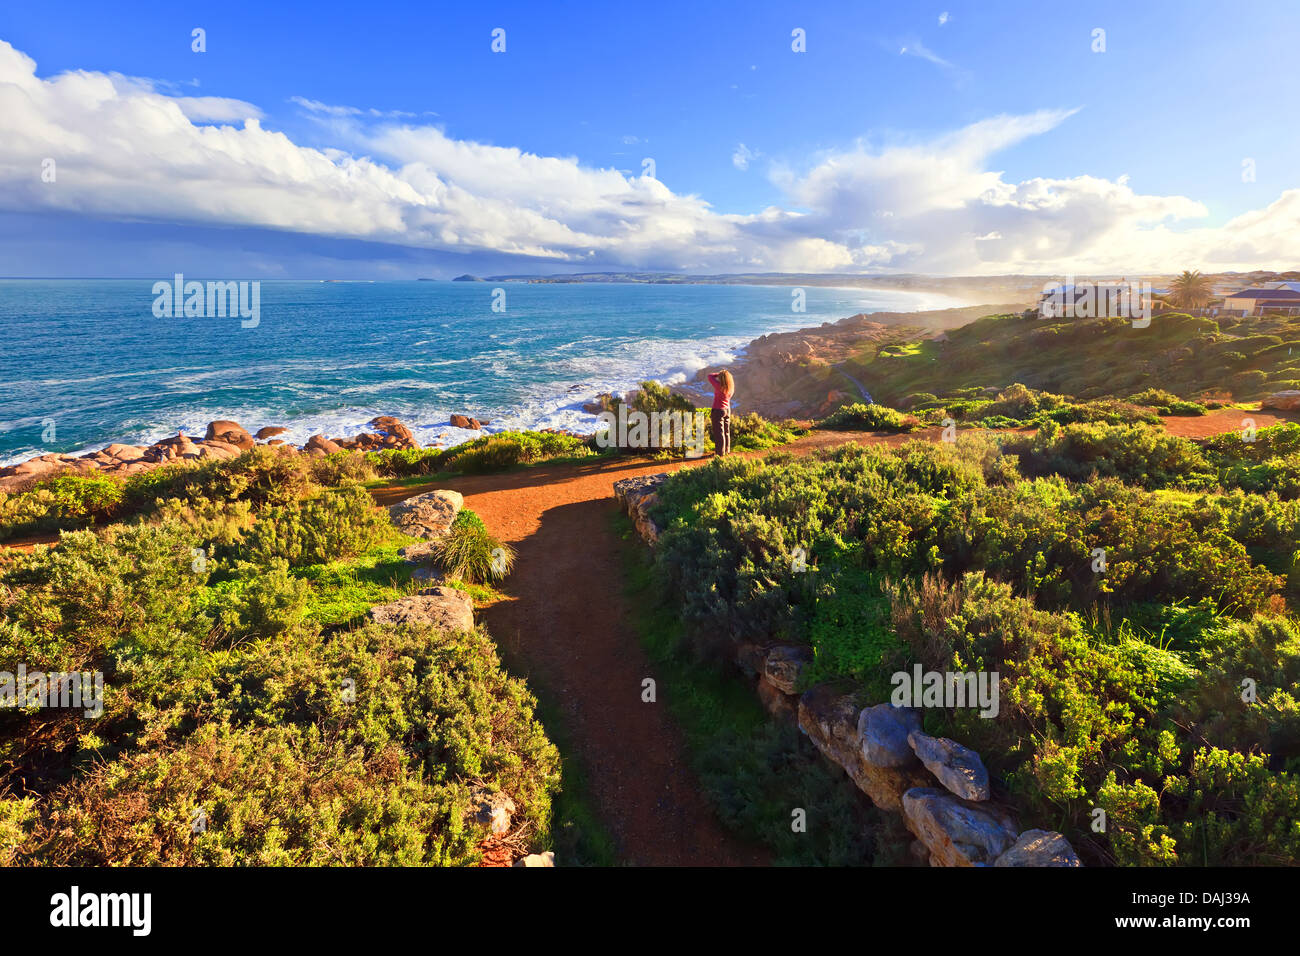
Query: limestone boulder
[(958, 768), (1040, 848), (537, 859), (427, 516), (638, 496), (441, 607), (1287, 401), (882, 735), (420, 553), (427, 576), (955, 831)]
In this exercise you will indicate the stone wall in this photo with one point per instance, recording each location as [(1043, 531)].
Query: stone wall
[(940, 787)]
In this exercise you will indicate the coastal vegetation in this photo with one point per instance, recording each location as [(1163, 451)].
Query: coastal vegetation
[(1122, 679), (252, 714)]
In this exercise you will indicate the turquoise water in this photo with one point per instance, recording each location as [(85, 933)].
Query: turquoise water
[(90, 357)]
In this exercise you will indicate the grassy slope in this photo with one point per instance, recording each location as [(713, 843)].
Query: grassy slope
[(1090, 358)]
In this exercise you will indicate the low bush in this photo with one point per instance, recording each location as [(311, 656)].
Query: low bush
[(340, 523), (870, 418), (469, 553)]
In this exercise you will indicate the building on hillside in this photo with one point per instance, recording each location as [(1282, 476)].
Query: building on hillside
[(1258, 301), (1084, 299)]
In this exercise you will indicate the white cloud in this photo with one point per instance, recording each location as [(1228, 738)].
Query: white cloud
[(918, 49), (127, 151), (743, 156), (316, 107), (943, 18)]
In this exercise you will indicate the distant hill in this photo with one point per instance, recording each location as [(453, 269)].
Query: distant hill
[(1193, 357)]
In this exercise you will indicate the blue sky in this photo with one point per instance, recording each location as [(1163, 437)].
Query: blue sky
[(954, 137)]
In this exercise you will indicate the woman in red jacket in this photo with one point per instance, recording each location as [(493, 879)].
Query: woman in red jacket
[(724, 386)]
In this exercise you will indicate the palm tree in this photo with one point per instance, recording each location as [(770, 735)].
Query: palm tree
[(1191, 290)]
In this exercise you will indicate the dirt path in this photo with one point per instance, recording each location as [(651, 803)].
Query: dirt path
[(565, 627)]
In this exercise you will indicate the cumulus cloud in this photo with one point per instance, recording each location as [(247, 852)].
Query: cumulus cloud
[(127, 151)]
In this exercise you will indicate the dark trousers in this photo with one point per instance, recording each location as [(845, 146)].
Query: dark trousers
[(720, 427)]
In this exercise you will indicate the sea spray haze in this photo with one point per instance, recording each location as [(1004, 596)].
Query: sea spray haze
[(89, 362)]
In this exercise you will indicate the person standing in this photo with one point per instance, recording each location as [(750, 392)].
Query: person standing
[(724, 386)]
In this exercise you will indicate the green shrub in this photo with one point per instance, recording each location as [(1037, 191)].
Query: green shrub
[(1136, 454), (869, 418), (289, 771), (469, 553), (64, 501), (753, 432), (508, 449), (1166, 403), (341, 523)]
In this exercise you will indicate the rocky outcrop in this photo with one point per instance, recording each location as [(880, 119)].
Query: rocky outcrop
[(230, 432), (537, 859), (427, 516), (1039, 848), (1287, 401), (956, 767), (223, 440), (464, 421), (958, 832), (441, 607), (321, 446), (638, 496), (494, 810), (419, 553), (395, 434)]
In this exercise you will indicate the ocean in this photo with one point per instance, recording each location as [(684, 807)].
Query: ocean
[(87, 362)]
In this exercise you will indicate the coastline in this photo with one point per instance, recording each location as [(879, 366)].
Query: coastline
[(768, 369), (796, 375)]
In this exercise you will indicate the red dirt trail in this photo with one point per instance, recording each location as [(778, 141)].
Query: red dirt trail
[(565, 628)]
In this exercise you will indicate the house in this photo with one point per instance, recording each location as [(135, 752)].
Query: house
[(1261, 299), (1083, 299)]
